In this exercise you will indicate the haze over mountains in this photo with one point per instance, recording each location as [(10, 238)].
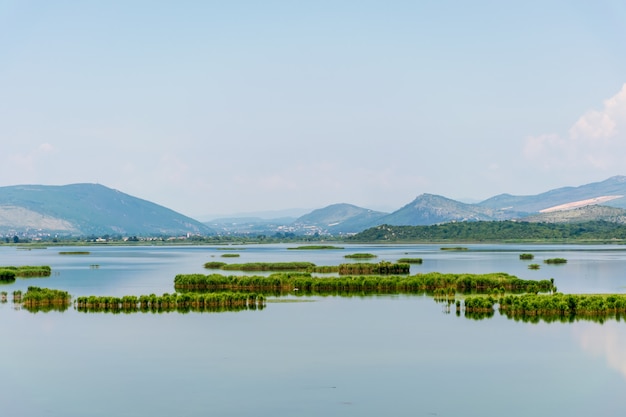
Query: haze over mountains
[(93, 209)]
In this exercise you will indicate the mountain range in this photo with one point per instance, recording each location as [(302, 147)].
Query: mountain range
[(87, 209), (93, 209)]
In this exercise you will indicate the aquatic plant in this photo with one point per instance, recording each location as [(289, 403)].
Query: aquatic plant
[(526, 256), (222, 301), (269, 266), (555, 261), (557, 306), (381, 268), (36, 296), (7, 275), (26, 271), (360, 256), (410, 260), (304, 283), (214, 265)]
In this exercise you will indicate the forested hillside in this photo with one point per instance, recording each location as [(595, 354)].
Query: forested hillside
[(496, 231)]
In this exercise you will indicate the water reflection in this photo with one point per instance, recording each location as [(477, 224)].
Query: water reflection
[(608, 341)]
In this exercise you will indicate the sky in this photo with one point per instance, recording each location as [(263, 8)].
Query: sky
[(215, 108)]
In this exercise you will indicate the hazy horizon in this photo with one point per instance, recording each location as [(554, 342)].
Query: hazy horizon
[(239, 107)]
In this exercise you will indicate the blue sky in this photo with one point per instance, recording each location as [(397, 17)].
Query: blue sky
[(212, 107)]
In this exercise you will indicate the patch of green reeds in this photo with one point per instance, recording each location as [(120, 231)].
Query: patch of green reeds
[(360, 256), (7, 275), (213, 302), (526, 256), (381, 268), (230, 255), (269, 266), (553, 307), (75, 252), (555, 261), (305, 284), (37, 297), (25, 271), (410, 260)]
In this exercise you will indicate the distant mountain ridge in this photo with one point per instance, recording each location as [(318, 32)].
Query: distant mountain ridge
[(86, 209), (614, 186), (340, 218), (93, 209), (429, 209)]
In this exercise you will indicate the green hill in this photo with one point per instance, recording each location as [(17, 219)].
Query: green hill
[(88, 209)]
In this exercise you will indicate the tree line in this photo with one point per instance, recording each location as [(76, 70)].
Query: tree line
[(498, 231)]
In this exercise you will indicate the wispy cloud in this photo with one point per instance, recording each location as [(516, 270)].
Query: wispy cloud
[(597, 140)]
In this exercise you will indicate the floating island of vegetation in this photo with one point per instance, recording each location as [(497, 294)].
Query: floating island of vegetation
[(305, 284), (555, 261), (360, 256), (454, 248), (410, 260), (526, 256), (9, 273), (75, 252), (381, 268), (554, 307)]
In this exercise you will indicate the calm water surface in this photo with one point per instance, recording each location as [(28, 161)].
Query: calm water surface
[(330, 356)]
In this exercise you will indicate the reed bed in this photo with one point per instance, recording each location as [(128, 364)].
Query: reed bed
[(26, 271), (555, 261), (269, 266), (37, 297), (304, 283), (561, 307), (223, 301), (360, 256), (410, 260)]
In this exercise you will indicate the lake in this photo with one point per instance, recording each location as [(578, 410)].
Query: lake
[(315, 356)]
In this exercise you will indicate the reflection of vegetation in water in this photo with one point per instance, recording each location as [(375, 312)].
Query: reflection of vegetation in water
[(410, 260), (555, 261), (555, 307), (304, 283), (8, 273), (360, 256), (44, 297), (46, 308), (315, 247)]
